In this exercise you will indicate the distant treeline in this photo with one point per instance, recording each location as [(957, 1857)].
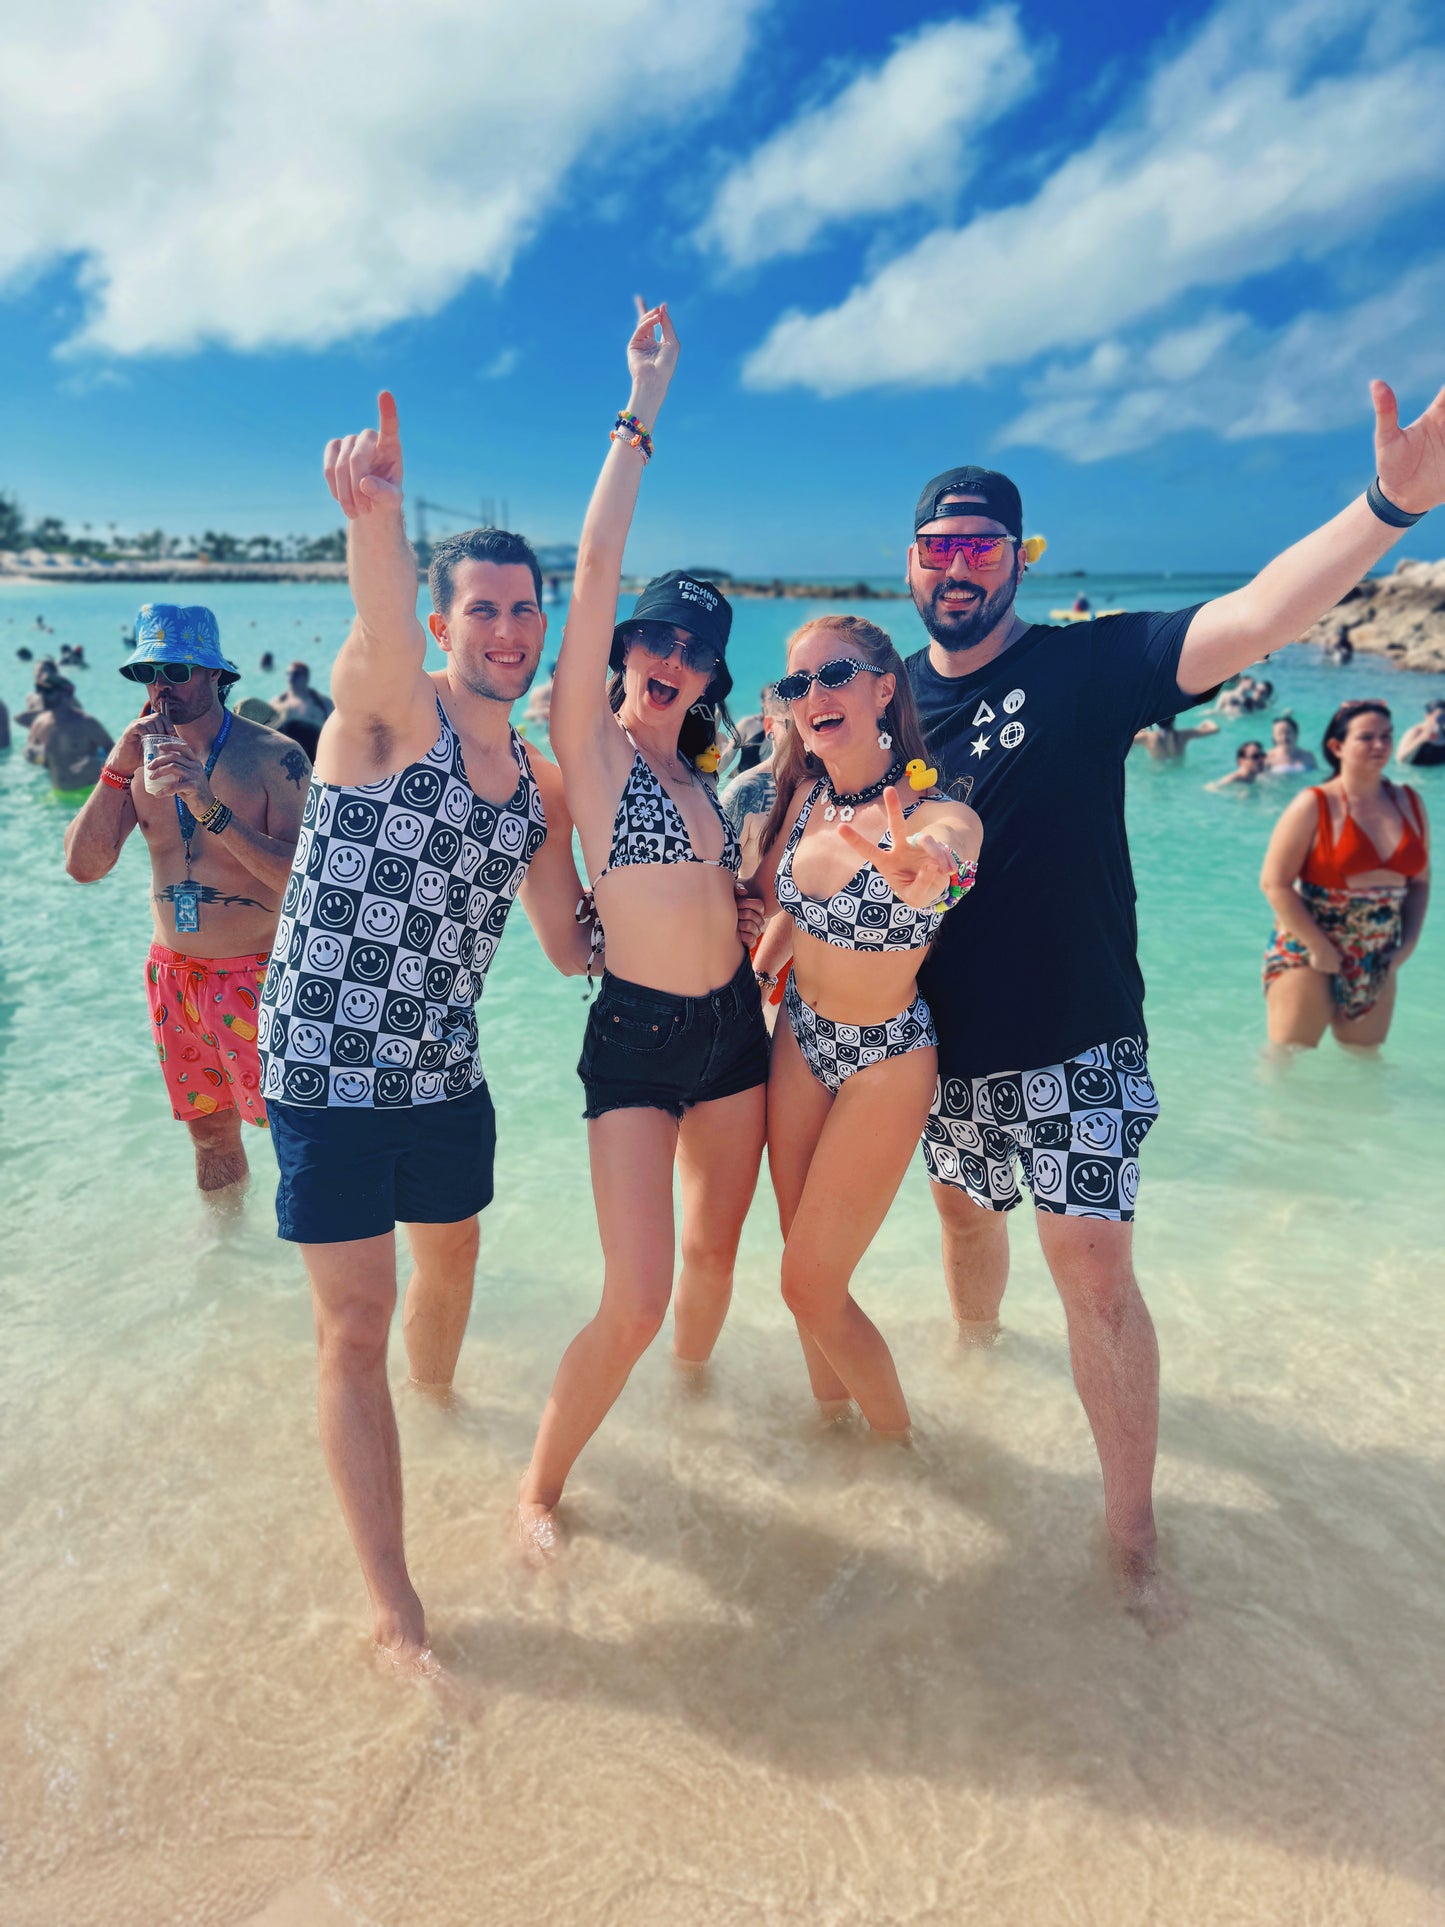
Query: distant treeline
[(214, 545)]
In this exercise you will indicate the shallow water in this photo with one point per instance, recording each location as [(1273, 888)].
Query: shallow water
[(784, 1677)]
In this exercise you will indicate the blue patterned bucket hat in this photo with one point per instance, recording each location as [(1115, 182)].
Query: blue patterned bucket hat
[(164, 632)]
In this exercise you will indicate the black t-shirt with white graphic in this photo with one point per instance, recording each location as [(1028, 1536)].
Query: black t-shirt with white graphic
[(1040, 962)]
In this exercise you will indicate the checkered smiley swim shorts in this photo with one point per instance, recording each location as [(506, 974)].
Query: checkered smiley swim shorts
[(1074, 1128)]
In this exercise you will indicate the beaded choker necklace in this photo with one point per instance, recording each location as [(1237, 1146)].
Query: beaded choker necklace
[(843, 806)]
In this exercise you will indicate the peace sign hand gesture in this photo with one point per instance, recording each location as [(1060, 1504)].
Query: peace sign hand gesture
[(363, 471), (650, 361), (1410, 462), (916, 870)]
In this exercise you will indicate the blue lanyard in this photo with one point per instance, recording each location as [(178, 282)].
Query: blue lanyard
[(184, 815)]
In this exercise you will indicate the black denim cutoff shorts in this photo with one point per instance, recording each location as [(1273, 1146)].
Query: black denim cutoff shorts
[(647, 1049)]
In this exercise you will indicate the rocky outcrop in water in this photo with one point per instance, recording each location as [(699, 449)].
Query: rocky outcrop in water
[(1401, 616)]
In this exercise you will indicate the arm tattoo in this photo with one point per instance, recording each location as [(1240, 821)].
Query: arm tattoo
[(296, 767)]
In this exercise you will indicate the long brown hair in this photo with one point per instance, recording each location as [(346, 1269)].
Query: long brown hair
[(793, 765)]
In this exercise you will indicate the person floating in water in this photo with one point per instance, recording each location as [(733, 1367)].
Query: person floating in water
[(71, 743), (1423, 743), (1286, 758), (429, 817), (1166, 742), (219, 805), (1347, 874), (298, 701), (1248, 767), (1036, 994)]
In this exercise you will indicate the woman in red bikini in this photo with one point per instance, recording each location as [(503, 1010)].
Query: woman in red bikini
[(1347, 874)]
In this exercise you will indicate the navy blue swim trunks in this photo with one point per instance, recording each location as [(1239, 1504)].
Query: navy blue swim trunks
[(349, 1174)]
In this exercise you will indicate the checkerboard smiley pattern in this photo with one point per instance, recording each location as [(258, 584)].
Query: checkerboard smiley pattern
[(1074, 1128), (398, 894)]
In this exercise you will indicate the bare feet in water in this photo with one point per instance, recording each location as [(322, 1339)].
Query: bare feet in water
[(975, 1334), (538, 1539), (1158, 1602)]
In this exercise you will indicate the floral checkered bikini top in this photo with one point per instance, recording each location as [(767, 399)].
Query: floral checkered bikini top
[(648, 827), (864, 914), (398, 895)]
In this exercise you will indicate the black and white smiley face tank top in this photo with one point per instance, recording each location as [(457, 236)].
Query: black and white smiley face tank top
[(398, 895)]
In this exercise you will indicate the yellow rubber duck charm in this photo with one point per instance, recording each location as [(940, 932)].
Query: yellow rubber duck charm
[(920, 776), (707, 760)]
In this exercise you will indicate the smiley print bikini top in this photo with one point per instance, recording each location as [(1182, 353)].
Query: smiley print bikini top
[(648, 826), (864, 914), (399, 892)]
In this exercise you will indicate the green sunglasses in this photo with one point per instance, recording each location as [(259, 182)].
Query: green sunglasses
[(149, 672)]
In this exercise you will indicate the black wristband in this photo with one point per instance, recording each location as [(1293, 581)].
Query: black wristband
[(1382, 506), (216, 818)]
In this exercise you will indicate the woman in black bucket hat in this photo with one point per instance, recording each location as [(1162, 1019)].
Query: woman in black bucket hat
[(675, 1059)]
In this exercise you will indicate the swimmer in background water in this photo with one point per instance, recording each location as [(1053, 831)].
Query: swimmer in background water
[(1423, 743), (71, 743), (1248, 767), (1286, 758), (1166, 742), (1347, 874)]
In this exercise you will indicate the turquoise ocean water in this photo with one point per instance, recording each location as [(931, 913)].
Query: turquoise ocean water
[(786, 1677)]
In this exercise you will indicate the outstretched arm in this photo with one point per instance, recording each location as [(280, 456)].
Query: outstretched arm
[(379, 683), (579, 702), (1297, 588)]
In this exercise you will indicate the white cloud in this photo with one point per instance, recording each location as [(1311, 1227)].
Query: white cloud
[(502, 364), (296, 172), (1241, 155), (1232, 378), (894, 136)]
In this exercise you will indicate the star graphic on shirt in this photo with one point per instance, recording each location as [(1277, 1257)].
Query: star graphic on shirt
[(980, 745)]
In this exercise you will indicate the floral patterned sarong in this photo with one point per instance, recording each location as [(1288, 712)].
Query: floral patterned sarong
[(1363, 925)]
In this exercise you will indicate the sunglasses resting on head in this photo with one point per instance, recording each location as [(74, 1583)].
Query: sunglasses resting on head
[(836, 674)]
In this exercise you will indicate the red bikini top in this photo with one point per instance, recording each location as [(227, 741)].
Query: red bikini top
[(1331, 864)]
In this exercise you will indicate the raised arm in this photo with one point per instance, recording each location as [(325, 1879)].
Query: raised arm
[(379, 684), (580, 716), (1291, 593), (99, 828)]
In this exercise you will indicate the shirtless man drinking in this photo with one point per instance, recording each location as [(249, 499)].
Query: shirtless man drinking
[(219, 805)]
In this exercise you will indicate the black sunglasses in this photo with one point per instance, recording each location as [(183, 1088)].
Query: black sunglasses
[(149, 672), (696, 656), (836, 674)]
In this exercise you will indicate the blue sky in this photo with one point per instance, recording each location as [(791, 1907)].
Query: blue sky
[(1145, 259)]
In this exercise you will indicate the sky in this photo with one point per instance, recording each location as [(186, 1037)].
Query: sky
[(1144, 257)]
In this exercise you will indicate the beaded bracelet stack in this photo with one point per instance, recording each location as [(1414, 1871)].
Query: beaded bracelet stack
[(627, 428), (964, 876)]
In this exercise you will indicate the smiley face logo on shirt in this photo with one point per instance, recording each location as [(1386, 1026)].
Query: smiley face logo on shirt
[(370, 963), (459, 1078), (420, 929), (431, 1057), (411, 973), (391, 876), (345, 864), (420, 789), (511, 834), (349, 1087), (1128, 1183), (304, 1084), (351, 1047), (358, 821), (323, 953), (381, 921), (403, 831), (457, 805), (360, 1006), (444, 847), (427, 1086), (316, 998), (335, 909), (431, 889), (1013, 702), (403, 1014), (439, 981), (307, 1041), (393, 1052), (391, 1087)]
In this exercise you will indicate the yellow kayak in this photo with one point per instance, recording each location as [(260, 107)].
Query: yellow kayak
[(1082, 615)]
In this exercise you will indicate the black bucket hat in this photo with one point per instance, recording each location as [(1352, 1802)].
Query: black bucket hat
[(683, 601)]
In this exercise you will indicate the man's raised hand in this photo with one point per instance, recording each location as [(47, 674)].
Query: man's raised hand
[(1410, 462), (363, 471), (916, 873)]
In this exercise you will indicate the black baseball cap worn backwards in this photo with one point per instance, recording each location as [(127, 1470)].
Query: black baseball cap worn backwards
[(995, 495), (683, 601)]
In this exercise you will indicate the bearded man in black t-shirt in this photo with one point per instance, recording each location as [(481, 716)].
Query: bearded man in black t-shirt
[(1034, 983)]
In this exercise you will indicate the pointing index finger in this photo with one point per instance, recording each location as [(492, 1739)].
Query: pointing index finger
[(387, 425)]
